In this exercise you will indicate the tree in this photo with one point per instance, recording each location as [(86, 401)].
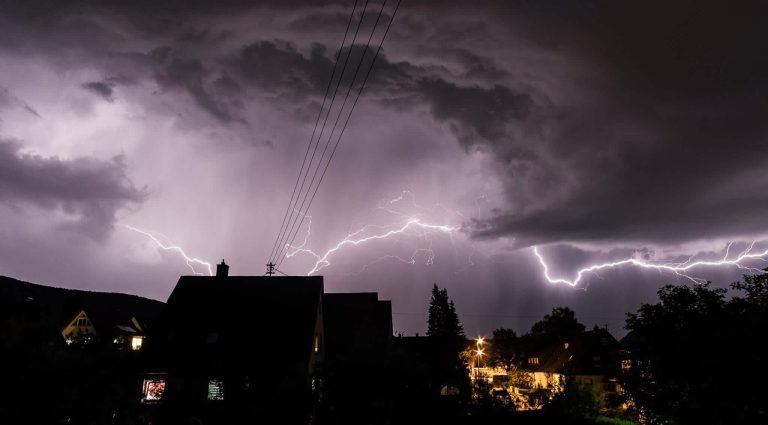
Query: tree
[(687, 349), (573, 402), (561, 323), (443, 320), (503, 350), (447, 342)]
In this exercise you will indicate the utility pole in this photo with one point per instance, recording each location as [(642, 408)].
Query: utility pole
[(270, 268)]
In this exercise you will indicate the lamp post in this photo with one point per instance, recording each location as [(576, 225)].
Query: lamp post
[(479, 349)]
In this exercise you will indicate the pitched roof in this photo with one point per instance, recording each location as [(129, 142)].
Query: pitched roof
[(243, 317), (112, 323), (588, 353)]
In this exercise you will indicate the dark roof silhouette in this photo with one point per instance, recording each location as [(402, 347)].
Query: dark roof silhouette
[(356, 323), (243, 319), (109, 324), (588, 353)]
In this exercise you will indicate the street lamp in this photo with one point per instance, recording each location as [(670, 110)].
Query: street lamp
[(479, 341)]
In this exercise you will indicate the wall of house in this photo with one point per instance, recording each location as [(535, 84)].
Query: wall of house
[(547, 380)]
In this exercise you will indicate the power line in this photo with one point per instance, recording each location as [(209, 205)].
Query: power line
[(298, 211), (357, 97), (330, 136), (280, 245), (319, 114)]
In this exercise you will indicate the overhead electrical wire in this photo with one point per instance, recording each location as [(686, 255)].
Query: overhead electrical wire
[(298, 211), (294, 211), (349, 115), (314, 130)]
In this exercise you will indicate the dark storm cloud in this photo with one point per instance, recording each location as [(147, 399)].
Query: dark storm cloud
[(672, 143), (279, 65), (101, 88), (190, 75), (482, 113), (90, 189), (660, 138)]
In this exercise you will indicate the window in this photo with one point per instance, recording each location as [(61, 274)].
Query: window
[(215, 390), (317, 343), (82, 321), (136, 342), (533, 360), (152, 390)]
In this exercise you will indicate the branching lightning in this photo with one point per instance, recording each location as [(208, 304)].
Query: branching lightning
[(191, 261), (357, 238), (680, 269), (410, 225)]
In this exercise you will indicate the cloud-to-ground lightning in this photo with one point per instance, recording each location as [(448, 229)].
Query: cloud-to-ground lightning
[(191, 261), (680, 269)]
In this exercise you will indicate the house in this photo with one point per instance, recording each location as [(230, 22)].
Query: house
[(120, 329), (238, 346), (358, 326), (591, 359), (358, 339)]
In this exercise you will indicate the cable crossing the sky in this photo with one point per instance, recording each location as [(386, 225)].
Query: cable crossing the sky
[(295, 212)]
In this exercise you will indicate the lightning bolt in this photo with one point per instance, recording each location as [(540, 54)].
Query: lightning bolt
[(190, 260), (355, 238), (680, 269)]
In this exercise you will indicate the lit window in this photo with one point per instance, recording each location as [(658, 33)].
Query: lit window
[(533, 360), (152, 390), (317, 343), (136, 342), (215, 390)]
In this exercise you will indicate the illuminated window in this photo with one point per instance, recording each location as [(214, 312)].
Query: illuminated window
[(317, 343), (533, 360), (136, 342), (152, 390), (215, 390)]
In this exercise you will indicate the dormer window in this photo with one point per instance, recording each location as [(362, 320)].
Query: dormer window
[(533, 360)]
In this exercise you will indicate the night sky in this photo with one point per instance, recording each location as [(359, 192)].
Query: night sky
[(595, 130)]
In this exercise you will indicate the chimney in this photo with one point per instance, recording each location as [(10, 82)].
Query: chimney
[(222, 270)]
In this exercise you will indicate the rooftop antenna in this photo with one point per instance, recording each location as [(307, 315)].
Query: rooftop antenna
[(270, 268)]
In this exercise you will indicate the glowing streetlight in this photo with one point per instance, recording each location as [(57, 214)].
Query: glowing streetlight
[(479, 341)]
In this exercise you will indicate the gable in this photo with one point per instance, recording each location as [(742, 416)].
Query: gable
[(81, 324)]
